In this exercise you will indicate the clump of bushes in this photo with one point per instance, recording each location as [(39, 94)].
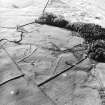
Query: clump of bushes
[(53, 20), (97, 51)]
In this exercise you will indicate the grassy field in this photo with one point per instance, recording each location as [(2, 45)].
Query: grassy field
[(39, 55)]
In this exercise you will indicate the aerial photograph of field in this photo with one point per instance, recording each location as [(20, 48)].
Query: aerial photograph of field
[(52, 52)]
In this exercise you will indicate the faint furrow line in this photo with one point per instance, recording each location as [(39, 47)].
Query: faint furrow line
[(8, 27), (56, 65), (27, 24), (13, 60), (73, 90), (45, 94), (54, 103), (27, 56), (17, 26)]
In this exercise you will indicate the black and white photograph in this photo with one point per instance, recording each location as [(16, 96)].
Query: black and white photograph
[(52, 52)]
